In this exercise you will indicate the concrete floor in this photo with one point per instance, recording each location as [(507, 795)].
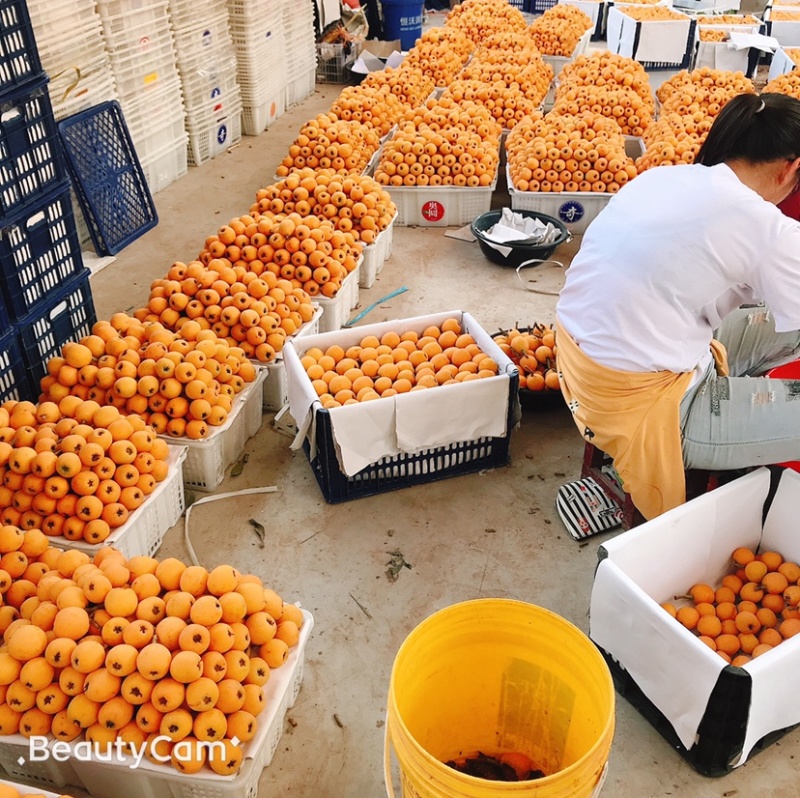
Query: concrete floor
[(493, 534)]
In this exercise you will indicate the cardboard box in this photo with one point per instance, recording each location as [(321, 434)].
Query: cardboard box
[(656, 44), (715, 715), (367, 448)]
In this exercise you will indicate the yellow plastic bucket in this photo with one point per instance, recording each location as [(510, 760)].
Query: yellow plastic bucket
[(495, 676)]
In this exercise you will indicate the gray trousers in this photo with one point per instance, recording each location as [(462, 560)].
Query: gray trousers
[(744, 420)]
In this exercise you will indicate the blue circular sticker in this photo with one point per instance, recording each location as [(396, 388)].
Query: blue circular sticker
[(222, 134), (571, 211)]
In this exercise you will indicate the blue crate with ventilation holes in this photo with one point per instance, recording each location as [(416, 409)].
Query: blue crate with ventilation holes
[(108, 178), (19, 56)]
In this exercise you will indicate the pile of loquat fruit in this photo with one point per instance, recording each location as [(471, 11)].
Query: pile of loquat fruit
[(179, 383), (478, 19), (105, 648), (754, 609), (558, 30), (74, 469), (534, 352)]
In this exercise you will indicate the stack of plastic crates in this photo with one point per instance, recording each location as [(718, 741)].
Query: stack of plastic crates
[(301, 50), (41, 267), (207, 66), (69, 36), (261, 52), (141, 46)]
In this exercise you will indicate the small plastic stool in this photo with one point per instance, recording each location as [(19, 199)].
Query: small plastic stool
[(597, 464)]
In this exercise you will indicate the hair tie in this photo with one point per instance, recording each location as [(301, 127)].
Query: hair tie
[(761, 108)]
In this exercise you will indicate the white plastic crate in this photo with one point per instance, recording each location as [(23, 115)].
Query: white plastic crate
[(302, 87), (187, 12), (71, 45), (144, 530), (70, 94), (134, 72), (51, 21), (48, 773), (208, 459), (257, 117), (575, 208), (375, 255), (207, 141), (656, 44), (137, 30), (208, 80), (336, 311), (164, 167), (440, 206), (557, 62), (275, 386), (116, 778), (781, 63), (204, 35), (786, 31)]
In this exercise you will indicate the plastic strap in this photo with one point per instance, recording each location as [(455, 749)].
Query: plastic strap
[(532, 262), (72, 86), (217, 497), (374, 305)]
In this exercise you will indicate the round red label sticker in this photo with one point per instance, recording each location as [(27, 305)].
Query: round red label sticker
[(433, 211)]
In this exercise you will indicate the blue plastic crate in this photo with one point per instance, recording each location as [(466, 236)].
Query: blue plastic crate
[(19, 57), (31, 165), (13, 382), (66, 315), (109, 181), (39, 251)]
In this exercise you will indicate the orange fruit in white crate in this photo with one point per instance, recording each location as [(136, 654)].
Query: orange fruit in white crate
[(727, 19), (507, 104), (521, 71), (555, 152), (707, 35), (409, 85), (180, 383), (289, 260), (8, 791), (438, 55), (784, 16), (355, 203), (534, 351), (558, 30), (651, 13), (396, 363), (794, 54), (788, 83), (70, 468), (375, 108), (613, 85), (110, 690), (752, 610), (329, 143), (480, 18), (441, 155)]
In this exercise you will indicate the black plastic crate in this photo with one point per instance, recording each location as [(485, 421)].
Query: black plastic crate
[(721, 734), (540, 6), (39, 251), (107, 176), (13, 383), (31, 164), (405, 470), (66, 315), (19, 56)]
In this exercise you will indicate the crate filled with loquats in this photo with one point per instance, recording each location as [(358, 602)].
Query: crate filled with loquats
[(423, 381), (657, 36), (176, 676), (712, 618)]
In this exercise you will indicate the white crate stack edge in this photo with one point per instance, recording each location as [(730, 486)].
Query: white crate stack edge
[(69, 37), (259, 43), (301, 55), (206, 62), (140, 43)]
